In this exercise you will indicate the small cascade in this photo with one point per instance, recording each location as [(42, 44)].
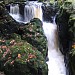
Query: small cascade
[(32, 10), (14, 9), (28, 13), (14, 12), (38, 11), (56, 65)]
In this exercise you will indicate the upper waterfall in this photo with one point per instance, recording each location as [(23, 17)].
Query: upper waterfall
[(31, 10), (14, 11), (28, 13)]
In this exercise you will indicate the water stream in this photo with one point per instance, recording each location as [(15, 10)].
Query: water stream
[(14, 12), (56, 65)]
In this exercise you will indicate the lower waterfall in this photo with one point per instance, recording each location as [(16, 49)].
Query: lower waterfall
[(56, 65)]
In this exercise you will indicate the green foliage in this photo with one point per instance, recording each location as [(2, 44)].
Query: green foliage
[(18, 57), (72, 34), (33, 34)]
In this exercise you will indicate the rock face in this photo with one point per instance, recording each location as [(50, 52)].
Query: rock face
[(65, 21), (63, 27), (49, 12), (22, 46), (72, 32)]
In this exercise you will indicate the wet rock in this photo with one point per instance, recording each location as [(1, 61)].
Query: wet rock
[(49, 12), (62, 20), (65, 23), (21, 10)]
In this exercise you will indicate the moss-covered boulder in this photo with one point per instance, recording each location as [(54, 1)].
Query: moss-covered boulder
[(23, 47), (33, 34), (21, 58)]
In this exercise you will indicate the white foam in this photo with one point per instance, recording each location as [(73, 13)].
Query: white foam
[(56, 65)]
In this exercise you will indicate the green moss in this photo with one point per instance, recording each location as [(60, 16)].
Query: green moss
[(20, 57), (33, 34)]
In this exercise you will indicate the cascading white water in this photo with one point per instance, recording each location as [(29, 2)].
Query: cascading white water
[(14, 12), (32, 10), (14, 9), (28, 13), (56, 63)]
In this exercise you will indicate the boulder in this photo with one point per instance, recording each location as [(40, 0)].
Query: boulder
[(23, 47)]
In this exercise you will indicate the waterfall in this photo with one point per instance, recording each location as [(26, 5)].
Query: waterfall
[(38, 11), (28, 13), (32, 10), (56, 65), (14, 9), (14, 12)]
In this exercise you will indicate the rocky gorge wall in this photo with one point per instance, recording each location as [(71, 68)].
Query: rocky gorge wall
[(66, 32)]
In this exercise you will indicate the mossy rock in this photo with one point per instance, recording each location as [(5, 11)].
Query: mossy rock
[(33, 34), (21, 58)]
